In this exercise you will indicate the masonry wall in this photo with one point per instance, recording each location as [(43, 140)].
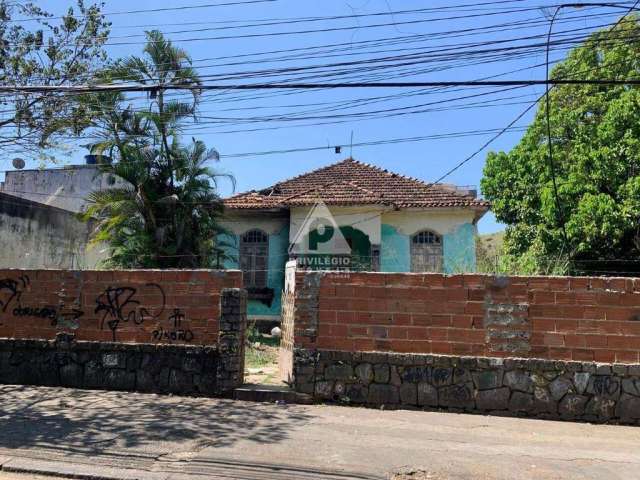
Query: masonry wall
[(147, 330), (142, 306), (555, 347)]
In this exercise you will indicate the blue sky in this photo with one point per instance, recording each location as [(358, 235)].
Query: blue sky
[(426, 160)]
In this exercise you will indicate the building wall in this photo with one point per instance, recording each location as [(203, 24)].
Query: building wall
[(365, 218), (277, 228), (38, 236), (66, 187), (456, 226)]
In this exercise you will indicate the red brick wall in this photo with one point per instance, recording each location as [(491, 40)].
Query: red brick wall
[(147, 306), (563, 318)]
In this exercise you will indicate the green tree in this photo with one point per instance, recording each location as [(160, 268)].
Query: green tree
[(162, 209), (37, 48), (596, 141)]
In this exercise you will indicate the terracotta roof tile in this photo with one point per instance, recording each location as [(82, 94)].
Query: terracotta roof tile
[(351, 182)]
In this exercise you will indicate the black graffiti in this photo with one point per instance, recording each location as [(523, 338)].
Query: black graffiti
[(441, 375), (460, 393), (39, 312), (178, 333), (14, 288), (605, 385), (184, 335), (119, 305)]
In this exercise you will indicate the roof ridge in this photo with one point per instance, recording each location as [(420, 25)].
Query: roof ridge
[(286, 180), (390, 173), (319, 169)]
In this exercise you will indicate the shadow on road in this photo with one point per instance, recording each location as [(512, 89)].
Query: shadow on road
[(83, 420)]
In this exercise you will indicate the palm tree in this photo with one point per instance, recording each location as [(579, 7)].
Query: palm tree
[(164, 65), (163, 210)]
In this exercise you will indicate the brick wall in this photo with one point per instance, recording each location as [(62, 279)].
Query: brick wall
[(548, 347), (135, 306), (560, 318)]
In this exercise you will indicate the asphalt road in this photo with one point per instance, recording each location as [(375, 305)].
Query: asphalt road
[(125, 435)]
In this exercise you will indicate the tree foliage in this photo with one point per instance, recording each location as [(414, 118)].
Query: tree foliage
[(596, 141), (162, 210), (37, 48)]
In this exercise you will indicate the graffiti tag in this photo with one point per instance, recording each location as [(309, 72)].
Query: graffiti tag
[(118, 305)]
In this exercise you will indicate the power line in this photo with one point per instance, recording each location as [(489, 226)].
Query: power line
[(287, 86), (151, 10)]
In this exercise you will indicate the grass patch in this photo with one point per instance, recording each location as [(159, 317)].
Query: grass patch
[(258, 357)]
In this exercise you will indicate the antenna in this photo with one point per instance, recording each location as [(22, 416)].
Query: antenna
[(351, 146)]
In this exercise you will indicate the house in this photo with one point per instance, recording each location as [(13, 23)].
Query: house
[(386, 222)]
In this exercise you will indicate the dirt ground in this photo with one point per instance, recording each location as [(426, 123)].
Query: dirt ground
[(261, 362)]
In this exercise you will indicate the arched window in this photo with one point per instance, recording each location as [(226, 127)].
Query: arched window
[(426, 252), (254, 254)]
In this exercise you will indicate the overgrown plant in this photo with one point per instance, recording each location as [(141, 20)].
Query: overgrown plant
[(163, 209), (596, 138), (37, 48)]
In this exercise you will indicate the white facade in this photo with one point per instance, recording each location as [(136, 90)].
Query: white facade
[(66, 187)]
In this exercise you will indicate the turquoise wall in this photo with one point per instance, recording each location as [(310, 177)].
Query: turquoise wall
[(395, 250), (278, 256), (459, 249)]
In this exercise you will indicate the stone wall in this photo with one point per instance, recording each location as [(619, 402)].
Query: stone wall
[(205, 370), (516, 387), (140, 306)]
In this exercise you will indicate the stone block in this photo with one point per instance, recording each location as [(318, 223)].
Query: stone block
[(461, 375), (603, 408), (631, 386), (495, 399), (580, 381), (456, 396), (356, 393), (560, 387), (518, 380), (521, 402), (606, 386), (338, 372), (543, 401), (441, 376), (416, 374), (71, 375), (408, 394), (116, 379), (381, 373), (427, 395), (488, 379), (324, 390), (628, 408), (383, 395), (572, 405), (364, 372)]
